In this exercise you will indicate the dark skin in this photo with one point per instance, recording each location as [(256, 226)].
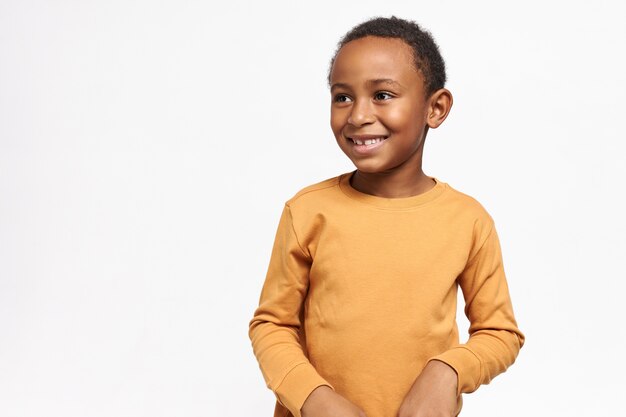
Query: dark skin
[(376, 90), (380, 115)]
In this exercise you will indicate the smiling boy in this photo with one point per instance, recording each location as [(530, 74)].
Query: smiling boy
[(357, 315)]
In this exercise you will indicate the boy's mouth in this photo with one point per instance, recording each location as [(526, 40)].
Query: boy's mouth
[(366, 144), (367, 139)]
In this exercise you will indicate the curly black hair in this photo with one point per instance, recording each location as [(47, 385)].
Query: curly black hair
[(428, 59)]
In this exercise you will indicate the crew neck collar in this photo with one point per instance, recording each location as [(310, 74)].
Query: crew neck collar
[(390, 203)]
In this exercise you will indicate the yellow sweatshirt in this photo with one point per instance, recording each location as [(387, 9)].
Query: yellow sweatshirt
[(361, 293)]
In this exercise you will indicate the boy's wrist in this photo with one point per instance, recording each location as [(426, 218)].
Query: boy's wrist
[(315, 402), (444, 371), (298, 385), (317, 395)]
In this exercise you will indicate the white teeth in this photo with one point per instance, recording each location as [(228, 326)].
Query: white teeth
[(368, 141)]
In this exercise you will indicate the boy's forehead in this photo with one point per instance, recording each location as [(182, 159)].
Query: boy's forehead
[(373, 58)]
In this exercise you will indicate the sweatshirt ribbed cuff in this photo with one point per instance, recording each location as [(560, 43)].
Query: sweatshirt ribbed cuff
[(467, 367), (298, 384)]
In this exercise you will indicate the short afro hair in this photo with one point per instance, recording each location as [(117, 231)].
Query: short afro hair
[(428, 59)]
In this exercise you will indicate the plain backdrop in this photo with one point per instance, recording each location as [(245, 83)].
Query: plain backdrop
[(147, 148)]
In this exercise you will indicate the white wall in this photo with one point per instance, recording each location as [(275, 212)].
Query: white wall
[(147, 147)]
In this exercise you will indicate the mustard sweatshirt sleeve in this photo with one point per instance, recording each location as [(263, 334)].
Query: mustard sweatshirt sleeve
[(276, 328), (495, 339)]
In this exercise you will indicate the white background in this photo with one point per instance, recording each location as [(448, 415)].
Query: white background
[(147, 148)]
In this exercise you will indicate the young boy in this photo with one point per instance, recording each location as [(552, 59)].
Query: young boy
[(358, 311)]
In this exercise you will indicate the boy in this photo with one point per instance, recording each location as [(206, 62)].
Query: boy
[(357, 313)]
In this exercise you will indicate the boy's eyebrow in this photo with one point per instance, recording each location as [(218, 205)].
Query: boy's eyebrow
[(376, 81), (339, 85), (384, 81)]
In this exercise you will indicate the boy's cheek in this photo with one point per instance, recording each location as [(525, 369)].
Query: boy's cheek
[(341, 141), (335, 126)]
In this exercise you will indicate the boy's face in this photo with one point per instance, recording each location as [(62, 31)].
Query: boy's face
[(379, 110)]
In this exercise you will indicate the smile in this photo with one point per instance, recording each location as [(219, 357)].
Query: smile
[(367, 141), (364, 145)]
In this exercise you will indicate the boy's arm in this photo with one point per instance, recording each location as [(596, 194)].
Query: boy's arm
[(495, 339), (275, 328)]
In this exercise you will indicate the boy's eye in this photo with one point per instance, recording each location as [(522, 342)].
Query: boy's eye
[(382, 95), (342, 98)]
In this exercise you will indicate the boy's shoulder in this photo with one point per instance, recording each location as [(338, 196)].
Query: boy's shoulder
[(319, 190), (469, 209), (468, 201)]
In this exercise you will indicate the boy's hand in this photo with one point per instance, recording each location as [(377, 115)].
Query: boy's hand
[(433, 393), (324, 402)]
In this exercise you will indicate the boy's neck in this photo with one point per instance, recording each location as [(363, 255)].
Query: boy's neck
[(395, 185)]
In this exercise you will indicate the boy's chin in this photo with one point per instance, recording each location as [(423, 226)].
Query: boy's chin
[(368, 168)]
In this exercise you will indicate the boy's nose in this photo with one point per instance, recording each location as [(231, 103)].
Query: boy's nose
[(361, 114)]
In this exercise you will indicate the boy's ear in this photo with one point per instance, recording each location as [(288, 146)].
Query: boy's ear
[(440, 103)]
